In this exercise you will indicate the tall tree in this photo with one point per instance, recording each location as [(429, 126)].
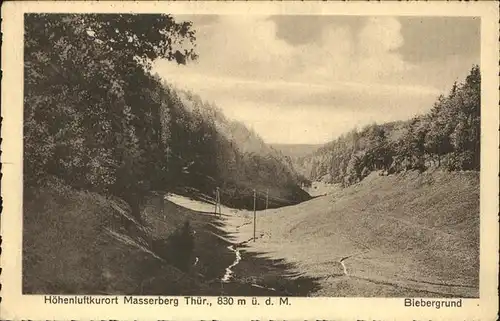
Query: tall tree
[(84, 110)]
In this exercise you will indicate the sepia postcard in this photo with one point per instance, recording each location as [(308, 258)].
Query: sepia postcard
[(250, 160)]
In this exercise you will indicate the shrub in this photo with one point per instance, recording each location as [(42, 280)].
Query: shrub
[(178, 248)]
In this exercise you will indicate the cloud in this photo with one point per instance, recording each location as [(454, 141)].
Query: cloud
[(243, 46), (248, 46), (310, 91)]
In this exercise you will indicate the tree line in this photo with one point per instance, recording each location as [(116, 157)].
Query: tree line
[(96, 118), (448, 137)]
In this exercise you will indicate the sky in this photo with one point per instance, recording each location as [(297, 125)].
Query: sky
[(308, 79)]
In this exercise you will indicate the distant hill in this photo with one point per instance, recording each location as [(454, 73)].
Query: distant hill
[(296, 150), (448, 136)]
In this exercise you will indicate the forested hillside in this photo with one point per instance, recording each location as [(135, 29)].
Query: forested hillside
[(296, 150), (243, 160), (447, 137), (98, 120)]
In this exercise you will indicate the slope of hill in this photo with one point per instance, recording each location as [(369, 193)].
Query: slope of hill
[(79, 242), (84, 243), (246, 140), (406, 235), (329, 162), (242, 160)]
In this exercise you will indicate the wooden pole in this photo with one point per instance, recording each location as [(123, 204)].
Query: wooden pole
[(254, 215), (163, 205), (219, 201), (267, 198), (216, 199)]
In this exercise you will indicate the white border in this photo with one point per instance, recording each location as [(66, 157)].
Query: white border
[(16, 306)]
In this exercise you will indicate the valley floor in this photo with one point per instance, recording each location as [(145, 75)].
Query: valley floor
[(389, 236), (407, 235)]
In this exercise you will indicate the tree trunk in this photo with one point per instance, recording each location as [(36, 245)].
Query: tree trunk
[(134, 200), (136, 211)]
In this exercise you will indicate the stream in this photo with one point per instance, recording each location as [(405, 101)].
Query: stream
[(228, 276), (343, 266), (229, 272)]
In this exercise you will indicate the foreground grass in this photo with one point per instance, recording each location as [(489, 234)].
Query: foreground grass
[(400, 235), (77, 242)]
